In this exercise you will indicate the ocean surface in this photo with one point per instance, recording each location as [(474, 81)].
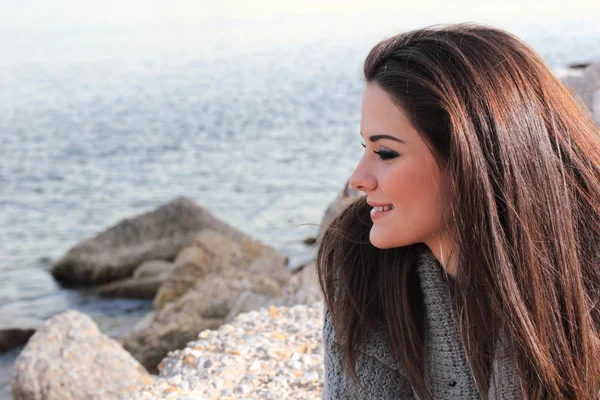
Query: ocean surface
[(261, 128)]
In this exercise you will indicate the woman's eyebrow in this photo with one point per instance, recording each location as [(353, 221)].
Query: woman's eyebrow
[(375, 138)]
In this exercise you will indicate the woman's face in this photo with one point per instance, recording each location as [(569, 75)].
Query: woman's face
[(399, 173)]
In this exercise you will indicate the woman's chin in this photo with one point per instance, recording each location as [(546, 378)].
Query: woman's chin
[(381, 240)]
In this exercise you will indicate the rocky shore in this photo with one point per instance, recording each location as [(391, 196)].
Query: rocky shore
[(205, 277), (230, 318), (273, 353)]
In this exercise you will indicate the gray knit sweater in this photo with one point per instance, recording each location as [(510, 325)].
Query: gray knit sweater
[(448, 374)]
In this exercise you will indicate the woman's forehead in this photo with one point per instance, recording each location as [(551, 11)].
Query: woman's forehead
[(380, 115)]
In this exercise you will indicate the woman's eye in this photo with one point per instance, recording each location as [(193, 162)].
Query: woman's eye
[(386, 154)]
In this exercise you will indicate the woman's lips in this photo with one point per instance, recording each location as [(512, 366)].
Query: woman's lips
[(376, 213)]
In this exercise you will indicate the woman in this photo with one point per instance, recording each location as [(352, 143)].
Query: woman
[(470, 268)]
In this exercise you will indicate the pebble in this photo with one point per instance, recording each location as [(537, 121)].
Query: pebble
[(274, 353), (192, 398)]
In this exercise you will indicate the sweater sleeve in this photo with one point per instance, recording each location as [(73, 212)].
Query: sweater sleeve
[(380, 381)]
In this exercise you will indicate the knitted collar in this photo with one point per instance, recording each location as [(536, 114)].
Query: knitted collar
[(447, 371)]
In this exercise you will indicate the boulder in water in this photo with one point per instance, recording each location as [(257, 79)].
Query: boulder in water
[(157, 235)]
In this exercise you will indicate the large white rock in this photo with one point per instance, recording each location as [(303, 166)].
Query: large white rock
[(69, 358)]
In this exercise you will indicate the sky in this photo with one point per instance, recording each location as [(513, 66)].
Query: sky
[(40, 14), (42, 29)]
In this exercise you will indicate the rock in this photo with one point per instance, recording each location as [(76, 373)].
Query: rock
[(347, 196), (68, 358), (147, 280), (153, 268), (583, 65), (157, 235), (309, 241), (210, 252), (254, 249), (289, 290), (133, 288), (249, 301), (309, 290), (587, 86), (144, 323), (273, 267), (272, 353), (17, 332), (213, 252), (15, 337), (205, 306), (302, 288)]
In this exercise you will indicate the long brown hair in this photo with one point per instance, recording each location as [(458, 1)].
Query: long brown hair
[(522, 160)]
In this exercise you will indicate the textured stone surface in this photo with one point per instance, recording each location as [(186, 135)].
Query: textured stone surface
[(153, 268), (272, 267), (14, 337), (157, 235), (308, 291), (145, 283), (17, 331), (203, 307), (274, 353), (133, 288), (254, 249), (248, 301), (68, 358), (210, 252)]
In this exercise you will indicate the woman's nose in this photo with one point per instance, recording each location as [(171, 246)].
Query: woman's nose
[(361, 179)]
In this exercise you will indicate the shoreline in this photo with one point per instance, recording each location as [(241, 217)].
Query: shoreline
[(8, 355)]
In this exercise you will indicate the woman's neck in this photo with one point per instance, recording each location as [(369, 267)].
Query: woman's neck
[(442, 249)]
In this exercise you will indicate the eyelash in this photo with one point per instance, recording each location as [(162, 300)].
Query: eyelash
[(384, 155)]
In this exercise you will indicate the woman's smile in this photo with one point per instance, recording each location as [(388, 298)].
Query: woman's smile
[(379, 211)]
